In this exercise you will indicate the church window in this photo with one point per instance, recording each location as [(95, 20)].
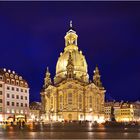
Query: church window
[(90, 101), (97, 103), (60, 101), (80, 98), (69, 98), (80, 101), (60, 98), (51, 100), (80, 106)]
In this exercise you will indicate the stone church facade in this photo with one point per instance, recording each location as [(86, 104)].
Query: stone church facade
[(71, 95)]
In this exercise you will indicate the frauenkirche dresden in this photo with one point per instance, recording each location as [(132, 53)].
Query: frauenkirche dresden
[(71, 95)]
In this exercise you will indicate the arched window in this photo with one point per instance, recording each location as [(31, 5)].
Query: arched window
[(98, 104), (61, 102), (80, 101), (90, 101), (60, 98), (51, 100), (8, 81), (12, 81), (80, 98), (70, 98)]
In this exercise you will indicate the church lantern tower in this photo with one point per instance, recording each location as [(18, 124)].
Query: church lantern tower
[(71, 37), (80, 67)]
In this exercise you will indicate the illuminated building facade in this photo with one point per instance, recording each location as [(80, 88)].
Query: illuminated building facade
[(35, 110), (123, 111), (71, 96), (14, 96)]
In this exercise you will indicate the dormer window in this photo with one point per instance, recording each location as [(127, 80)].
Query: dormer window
[(17, 83), (12, 82), (7, 74), (21, 83), (8, 81)]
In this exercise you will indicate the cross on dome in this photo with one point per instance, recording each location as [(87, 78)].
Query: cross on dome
[(71, 23)]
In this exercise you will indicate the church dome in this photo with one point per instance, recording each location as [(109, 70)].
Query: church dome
[(79, 61), (80, 64)]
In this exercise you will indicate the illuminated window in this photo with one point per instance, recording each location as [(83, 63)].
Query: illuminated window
[(51, 100), (60, 97), (21, 111), (13, 111), (70, 98), (61, 103), (17, 111), (8, 81), (21, 83), (8, 110), (80, 98), (90, 101), (80, 101), (17, 83), (80, 106), (13, 82)]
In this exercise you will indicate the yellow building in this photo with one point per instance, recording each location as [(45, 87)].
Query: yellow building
[(123, 111), (72, 96)]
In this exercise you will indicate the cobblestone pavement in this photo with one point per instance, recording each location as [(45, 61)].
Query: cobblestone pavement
[(68, 131)]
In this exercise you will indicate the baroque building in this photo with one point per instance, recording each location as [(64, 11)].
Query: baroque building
[(71, 95), (14, 97), (123, 111)]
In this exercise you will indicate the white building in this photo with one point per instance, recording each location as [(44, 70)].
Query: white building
[(14, 96)]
